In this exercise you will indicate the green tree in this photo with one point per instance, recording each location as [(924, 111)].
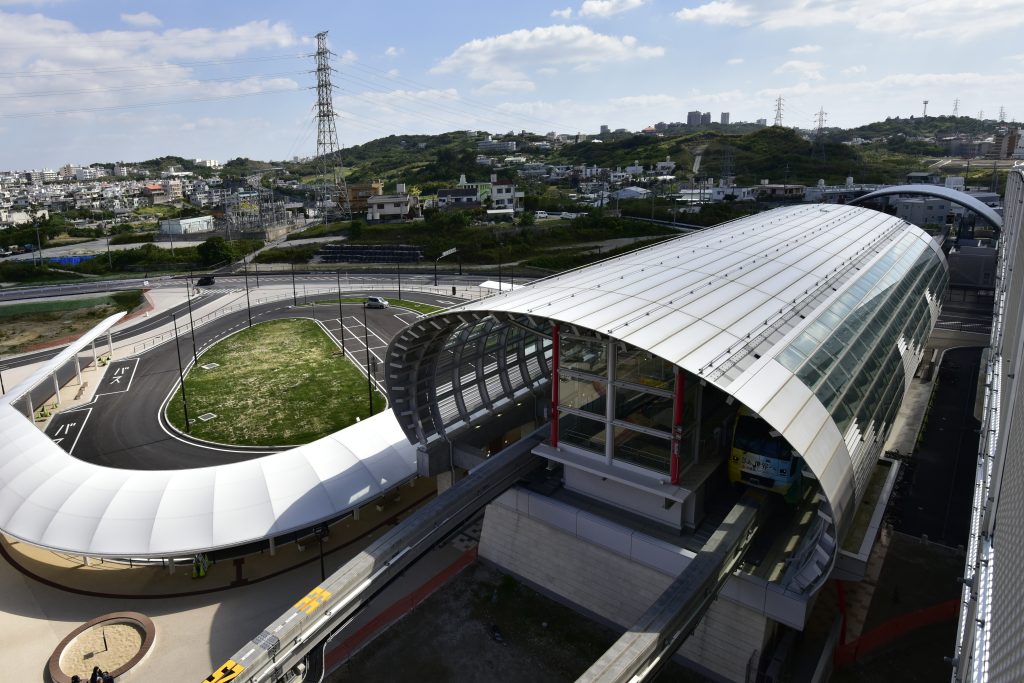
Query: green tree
[(214, 250)]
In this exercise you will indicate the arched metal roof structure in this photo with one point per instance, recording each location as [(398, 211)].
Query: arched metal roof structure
[(53, 500), (948, 193), (812, 316)]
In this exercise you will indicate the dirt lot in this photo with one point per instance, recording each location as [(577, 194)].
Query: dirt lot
[(24, 327), (485, 626)]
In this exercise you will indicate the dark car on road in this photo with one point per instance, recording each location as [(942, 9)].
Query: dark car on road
[(204, 281)]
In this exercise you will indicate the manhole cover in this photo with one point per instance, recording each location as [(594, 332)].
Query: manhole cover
[(206, 417), (210, 366)]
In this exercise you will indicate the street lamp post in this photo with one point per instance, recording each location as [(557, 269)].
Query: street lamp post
[(295, 296), (248, 305), (191, 324), (181, 374), (400, 280), (341, 316), (110, 262), (369, 379), (446, 252)]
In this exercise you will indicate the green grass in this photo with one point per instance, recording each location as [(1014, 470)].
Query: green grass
[(279, 383), (122, 301)]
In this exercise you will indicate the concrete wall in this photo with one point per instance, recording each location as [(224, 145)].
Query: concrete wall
[(628, 497), (616, 588)]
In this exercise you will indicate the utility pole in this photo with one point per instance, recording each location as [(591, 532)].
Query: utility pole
[(327, 132), (248, 306), (191, 324), (778, 111)]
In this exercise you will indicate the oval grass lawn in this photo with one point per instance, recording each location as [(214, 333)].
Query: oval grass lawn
[(278, 383)]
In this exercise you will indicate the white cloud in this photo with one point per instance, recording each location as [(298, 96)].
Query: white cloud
[(735, 60), (853, 70), (808, 70), (659, 100), (547, 71), (392, 73), (804, 49), (393, 51), (142, 19), (505, 86), (562, 13), (347, 57), (960, 20), (510, 56), (717, 12), (606, 8)]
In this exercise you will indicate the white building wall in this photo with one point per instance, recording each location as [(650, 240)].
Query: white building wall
[(616, 588)]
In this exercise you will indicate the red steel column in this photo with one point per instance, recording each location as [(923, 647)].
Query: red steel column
[(677, 424), (554, 386)]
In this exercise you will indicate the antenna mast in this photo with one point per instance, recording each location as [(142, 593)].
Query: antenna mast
[(778, 111), (925, 114), (327, 135)]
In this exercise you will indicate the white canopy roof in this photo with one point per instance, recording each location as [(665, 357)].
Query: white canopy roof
[(51, 499)]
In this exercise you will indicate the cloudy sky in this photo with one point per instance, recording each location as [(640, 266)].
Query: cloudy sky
[(85, 82)]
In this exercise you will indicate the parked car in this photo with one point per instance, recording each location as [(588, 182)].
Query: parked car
[(540, 214), (376, 302), (204, 281)]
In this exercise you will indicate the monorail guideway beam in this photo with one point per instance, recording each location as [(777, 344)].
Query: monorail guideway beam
[(642, 650), (275, 653)]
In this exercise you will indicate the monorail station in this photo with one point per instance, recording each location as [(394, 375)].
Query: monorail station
[(769, 354)]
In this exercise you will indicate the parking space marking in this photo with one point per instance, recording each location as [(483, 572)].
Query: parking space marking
[(118, 378), (68, 425)]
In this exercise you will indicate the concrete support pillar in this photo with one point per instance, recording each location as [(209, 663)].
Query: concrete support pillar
[(86, 560), (170, 566), (31, 408), (78, 369), (95, 363), (609, 408), (110, 346), (678, 406), (554, 388), (355, 515), (273, 547), (56, 388), (444, 481)]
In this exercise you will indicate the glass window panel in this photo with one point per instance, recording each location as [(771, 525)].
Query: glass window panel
[(641, 367), (583, 432), (805, 345), (584, 355), (791, 358), (646, 410), (582, 394), (645, 450)]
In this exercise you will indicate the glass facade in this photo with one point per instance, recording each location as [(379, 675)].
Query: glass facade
[(850, 354), (640, 386)]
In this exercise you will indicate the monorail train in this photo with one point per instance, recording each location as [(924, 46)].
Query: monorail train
[(762, 458)]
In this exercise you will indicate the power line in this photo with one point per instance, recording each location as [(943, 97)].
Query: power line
[(120, 69), (141, 105), (240, 79)]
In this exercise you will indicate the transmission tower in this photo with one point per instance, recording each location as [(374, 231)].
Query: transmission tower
[(819, 134), (981, 114), (778, 111), (956, 107), (327, 135), (1002, 115)]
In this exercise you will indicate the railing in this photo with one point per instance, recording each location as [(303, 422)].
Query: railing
[(184, 327)]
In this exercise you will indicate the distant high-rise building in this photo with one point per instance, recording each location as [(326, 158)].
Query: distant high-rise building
[(705, 119), (605, 130), (762, 122), (693, 118), (725, 118)]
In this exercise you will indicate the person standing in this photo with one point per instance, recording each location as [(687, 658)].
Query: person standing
[(97, 675)]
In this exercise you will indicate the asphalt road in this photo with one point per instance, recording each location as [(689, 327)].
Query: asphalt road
[(125, 428)]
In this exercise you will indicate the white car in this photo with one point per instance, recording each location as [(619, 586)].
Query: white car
[(376, 302), (540, 214)]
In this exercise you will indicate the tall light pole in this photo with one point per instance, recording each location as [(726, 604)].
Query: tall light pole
[(341, 316), (400, 280), (191, 324), (295, 296), (181, 374), (248, 305), (446, 252), (366, 341)]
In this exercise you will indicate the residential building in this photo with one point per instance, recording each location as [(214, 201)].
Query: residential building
[(665, 167), (693, 118), (781, 191), (725, 118), (120, 171), (186, 226), (705, 119), (504, 196), (762, 122), (636, 168), (392, 207), (922, 211), (924, 178), (155, 193), (457, 198), (491, 145), (87, 173), (605, 130), (173, 190), (207, 163), (360, 193)]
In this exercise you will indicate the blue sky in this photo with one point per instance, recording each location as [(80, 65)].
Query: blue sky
[(85, 82)]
